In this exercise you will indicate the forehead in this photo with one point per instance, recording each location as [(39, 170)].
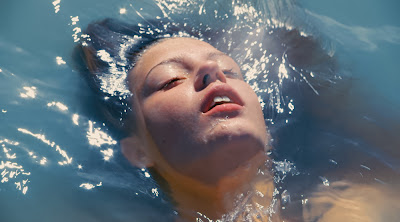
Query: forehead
[(169, 48), (173, 46)]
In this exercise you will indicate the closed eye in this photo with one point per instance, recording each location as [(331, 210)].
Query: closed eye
[(171, 83), (232, 74)]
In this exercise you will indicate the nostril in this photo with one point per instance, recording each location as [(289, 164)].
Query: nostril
[(206, 78)]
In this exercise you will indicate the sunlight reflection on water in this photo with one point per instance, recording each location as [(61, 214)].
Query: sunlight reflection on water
[(31, 104), (12, 171)]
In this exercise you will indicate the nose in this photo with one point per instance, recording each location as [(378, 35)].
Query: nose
[(208, 72)]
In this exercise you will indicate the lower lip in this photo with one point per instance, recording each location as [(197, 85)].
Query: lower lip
[(224, 108)]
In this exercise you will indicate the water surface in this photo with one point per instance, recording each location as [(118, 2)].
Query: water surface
[(58, 162)]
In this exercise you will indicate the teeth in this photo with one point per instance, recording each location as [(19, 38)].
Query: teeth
[(219, 99)]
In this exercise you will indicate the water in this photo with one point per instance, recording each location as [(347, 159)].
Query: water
[(60, 163)]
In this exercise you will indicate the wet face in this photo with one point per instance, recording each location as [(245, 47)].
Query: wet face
[(199, 116)]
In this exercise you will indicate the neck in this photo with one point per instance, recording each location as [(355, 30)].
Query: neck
[(195, 200)]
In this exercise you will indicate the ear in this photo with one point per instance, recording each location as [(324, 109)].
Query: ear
[(134, 150)]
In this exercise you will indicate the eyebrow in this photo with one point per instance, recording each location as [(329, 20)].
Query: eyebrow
[(180, 59)]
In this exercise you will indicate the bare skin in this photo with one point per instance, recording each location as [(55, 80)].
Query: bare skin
[(209, 155), (208, 151)]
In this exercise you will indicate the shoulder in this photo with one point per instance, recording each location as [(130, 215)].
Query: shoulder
[(344, 201)]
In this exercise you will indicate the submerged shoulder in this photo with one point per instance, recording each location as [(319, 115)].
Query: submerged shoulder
[(344, 201)]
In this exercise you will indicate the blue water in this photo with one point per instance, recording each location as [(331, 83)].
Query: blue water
[(60, 163), (372, 49)]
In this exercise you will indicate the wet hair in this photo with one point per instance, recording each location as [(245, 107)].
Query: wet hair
[(108, 50), (279, 63)]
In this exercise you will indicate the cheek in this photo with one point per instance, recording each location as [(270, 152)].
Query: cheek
[(248, 95), (159, 111), (171, 122), (254, 109), (169, 113)]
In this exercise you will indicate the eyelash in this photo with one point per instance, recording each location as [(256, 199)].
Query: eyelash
[(231, 73), (169, 83)]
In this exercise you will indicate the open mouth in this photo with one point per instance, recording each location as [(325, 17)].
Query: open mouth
[(221, 98)]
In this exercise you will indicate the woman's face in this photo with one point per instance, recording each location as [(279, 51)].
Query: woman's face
[(200, 117)]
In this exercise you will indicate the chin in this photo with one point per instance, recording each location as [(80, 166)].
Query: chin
[(226, 160), (228, 149), (235, 130)]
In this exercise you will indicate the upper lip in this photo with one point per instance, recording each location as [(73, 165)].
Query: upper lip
[(220, 90)]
